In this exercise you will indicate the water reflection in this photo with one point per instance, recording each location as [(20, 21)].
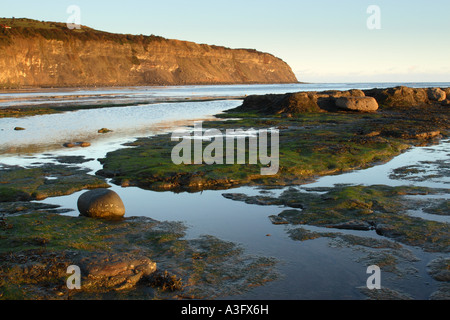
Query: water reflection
[(381, 174), (50, 131)]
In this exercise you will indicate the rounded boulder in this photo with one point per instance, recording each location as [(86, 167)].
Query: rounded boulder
[(364, 104), (101, 203), (436, 94)]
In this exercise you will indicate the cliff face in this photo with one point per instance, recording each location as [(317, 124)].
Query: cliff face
[(57, 56)]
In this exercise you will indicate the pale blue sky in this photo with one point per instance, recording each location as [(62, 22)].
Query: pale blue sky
[(322, 40)]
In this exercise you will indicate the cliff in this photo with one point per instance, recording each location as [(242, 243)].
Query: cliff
[(48, 54)]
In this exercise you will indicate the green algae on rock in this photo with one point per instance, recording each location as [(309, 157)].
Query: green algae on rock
[(37, 248), (315, 139), (39, 182), (385, 294), (439, 269), (439, 207), (24, 207), (310, 145), (71, 159), (389, 255), (435, 170), (378, 207)]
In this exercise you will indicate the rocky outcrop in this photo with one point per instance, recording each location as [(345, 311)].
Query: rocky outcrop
[(406, 97), (299, 102), (439, 269), (351, 100), (436, 94), (98, 271), (115, 271), (55, 56)]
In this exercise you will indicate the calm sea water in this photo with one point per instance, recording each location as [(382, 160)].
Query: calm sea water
[(27, 97), (311, 270)]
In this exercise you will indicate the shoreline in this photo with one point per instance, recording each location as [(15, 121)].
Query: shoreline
[(119, 87), (41, 104), (99, 87)]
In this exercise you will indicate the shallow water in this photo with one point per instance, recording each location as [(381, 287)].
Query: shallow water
[(313, 269), (171, 92), (52, 130), (380, 174)]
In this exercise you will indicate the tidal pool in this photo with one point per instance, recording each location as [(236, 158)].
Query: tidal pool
[(51, 131), (314, 269)]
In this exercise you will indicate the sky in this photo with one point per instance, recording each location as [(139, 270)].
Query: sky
[(322, 40)]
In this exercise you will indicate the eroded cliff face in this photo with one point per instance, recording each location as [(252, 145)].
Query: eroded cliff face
[(67, 59)]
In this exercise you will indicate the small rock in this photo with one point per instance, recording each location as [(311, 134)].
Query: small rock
[(443, 293), (104, 130), (387, 230), (427, 135), (101, 203), (82, 144), (373, 134), (235, 196), (439, 269), (278, 220), (446, 103), (352, 225), (125, 183), (384, 294), (115, 271), (436, 94), (364, 104)]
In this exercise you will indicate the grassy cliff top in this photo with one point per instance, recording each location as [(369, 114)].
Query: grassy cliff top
[(27, 28)]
